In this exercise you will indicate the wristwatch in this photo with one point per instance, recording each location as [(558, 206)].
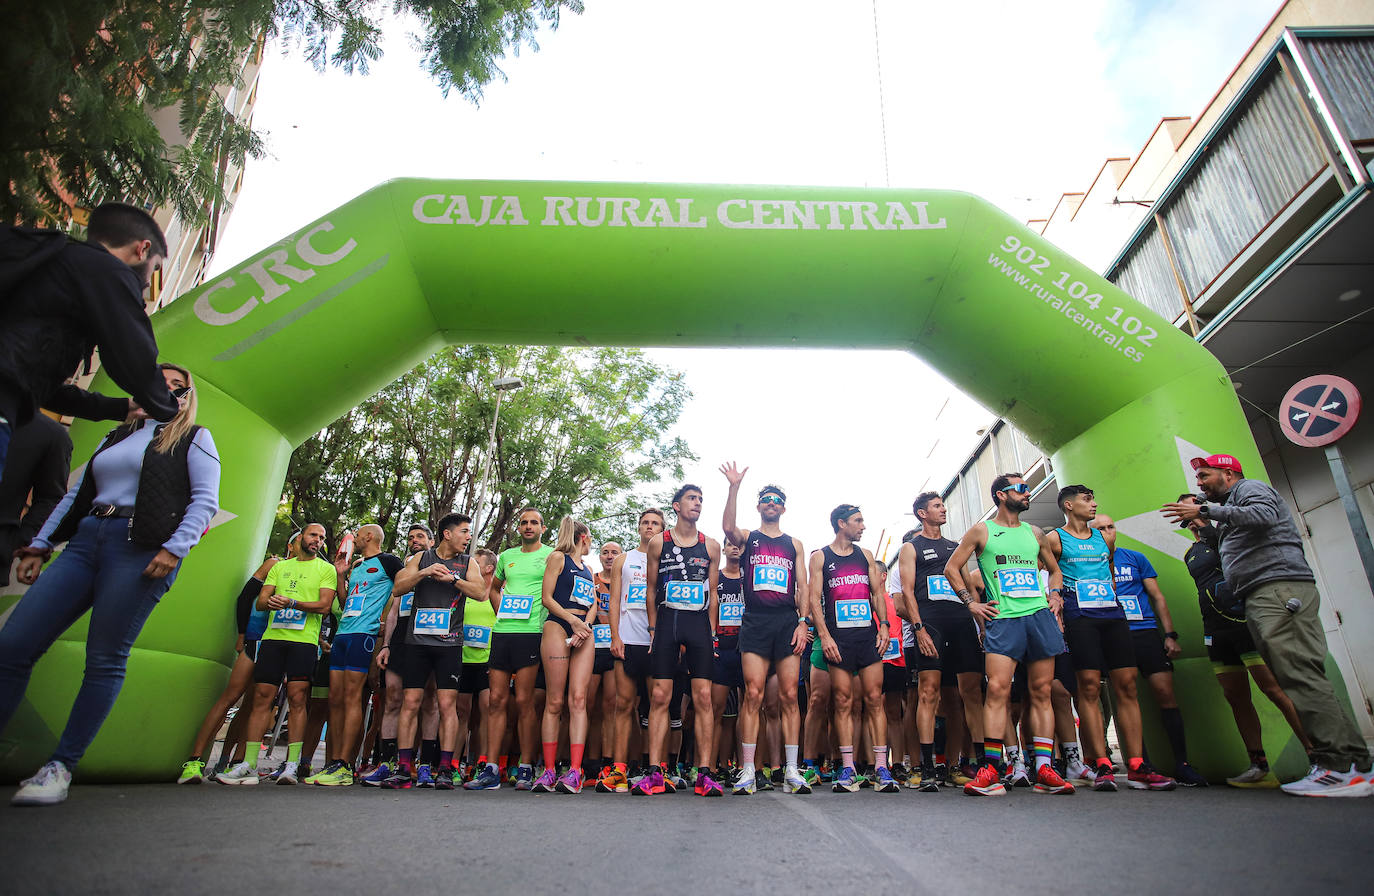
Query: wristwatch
[(917, 626), (1173, 635), (804, 620)]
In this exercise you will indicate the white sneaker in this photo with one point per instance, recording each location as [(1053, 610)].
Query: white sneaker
[(1255, 777), (243, 773), (46, 788), (1017, 775), (288, 773), (793, 782), (1077, 771), (1324, 782), (744, 783)]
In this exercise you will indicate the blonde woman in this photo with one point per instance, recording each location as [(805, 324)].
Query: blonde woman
[(146, 498), (568, 651)]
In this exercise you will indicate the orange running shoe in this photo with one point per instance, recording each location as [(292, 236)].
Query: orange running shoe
[(986, 783), (612, 780), (1047, 780)]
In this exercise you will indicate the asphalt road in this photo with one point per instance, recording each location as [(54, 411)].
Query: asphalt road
[(215, 839)]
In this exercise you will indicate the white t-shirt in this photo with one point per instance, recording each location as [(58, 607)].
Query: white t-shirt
[(634, 622), (894, 586)]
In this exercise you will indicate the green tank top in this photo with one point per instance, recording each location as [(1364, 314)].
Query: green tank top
[(479, 618), (1010, 571)]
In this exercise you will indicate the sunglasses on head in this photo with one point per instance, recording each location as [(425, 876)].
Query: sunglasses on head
[(1020, 488), (772, 499), (182, 392)]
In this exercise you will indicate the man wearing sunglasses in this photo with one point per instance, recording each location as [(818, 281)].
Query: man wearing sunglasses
[(773, 631), (1023, 625)]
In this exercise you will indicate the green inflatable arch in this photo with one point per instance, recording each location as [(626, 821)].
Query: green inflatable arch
[(286, 342)]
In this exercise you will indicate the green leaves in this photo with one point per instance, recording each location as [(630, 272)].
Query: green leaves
[(587, 434), (128, 101)]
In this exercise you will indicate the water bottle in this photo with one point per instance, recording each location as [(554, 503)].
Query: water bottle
[(346, 547)]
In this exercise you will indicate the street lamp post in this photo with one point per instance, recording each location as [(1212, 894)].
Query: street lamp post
[(502, 386)]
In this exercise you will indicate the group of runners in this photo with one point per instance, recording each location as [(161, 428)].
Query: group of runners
[(688, 662)]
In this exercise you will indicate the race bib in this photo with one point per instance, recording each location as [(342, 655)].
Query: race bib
[(771, 578), (731, 612), (515, 606), (1019, 583), (354, 607), (477, 637), (894, 649), (938, 588), (291, 620), (635, 597), (1206, 640), (601, 636), (584, 592), (853, 612), (1131, 604), (1095, 595), (685, 595), (433, 621), (407, 600)]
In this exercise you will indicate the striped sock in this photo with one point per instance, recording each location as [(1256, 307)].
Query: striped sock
[(992, 748), (1044, 751)]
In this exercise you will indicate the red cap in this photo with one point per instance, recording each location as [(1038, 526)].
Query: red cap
[(1218, 462)]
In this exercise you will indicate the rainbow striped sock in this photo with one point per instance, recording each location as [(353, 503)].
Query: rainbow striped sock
[(992, 749), (1044, 751)]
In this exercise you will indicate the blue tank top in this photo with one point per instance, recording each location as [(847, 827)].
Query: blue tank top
[(574, 590), (1088, 587)]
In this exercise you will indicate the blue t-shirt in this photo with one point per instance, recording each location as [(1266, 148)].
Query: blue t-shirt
[(369, 586), (1132, 568)]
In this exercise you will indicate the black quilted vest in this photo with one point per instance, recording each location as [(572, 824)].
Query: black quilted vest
[(164, 492)]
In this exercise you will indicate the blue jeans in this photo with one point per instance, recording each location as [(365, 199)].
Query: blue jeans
[(100, 571)]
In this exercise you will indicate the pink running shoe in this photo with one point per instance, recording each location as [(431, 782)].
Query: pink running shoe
[(650, 784), (571, 782), (544, 783)]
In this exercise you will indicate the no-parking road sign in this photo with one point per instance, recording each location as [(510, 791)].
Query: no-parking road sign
[(1319, 410)]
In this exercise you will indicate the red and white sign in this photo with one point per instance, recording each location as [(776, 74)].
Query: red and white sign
[(1319, 410)]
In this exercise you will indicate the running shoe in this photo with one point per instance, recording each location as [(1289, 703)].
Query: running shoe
[(1325, 782), (899, 771), (1188, 776), (329, 769), (1017, 775), (1104, 779), (827, 774), (47, 787), (1075, 770), (443, 779), (986, 783), (651, 784), (524, 778), (793, 782), (708, 786), (775, 776), (866, 777), (847, 782), (763, 781), (954, 775), (399, 780), (340, 776), (916, 777), (883, 782), (546, 781), (192, 772), (242, 773), (612, 780), (288, 773), (378, 775), (672, 783), (571, 782), (745, 784), (273, 775), (1047, 780), (928, 779), (485, 779), (424, 776), (1143, 777), (1256, 777), (812, 775)]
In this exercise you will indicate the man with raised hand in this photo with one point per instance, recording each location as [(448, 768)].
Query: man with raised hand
[(1022, 626), (773, 631), (683, 568), (850, 615), (365, 592)]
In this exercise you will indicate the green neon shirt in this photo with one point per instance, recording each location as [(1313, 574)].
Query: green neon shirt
[(522, 575)]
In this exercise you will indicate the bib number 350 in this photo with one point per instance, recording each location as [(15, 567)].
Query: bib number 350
[(515, 606)]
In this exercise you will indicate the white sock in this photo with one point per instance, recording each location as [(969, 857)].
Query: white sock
[(791, 750), (880, 757)]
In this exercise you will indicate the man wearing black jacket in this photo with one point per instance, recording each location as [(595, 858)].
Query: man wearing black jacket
[(40, 459), (85, 295)]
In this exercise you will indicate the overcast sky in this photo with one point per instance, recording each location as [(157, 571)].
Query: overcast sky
[(1017, 102)]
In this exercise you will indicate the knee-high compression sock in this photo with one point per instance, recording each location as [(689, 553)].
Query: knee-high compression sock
[(1173, 727)]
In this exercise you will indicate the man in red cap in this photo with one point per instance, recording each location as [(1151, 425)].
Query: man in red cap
[(1262, 559)]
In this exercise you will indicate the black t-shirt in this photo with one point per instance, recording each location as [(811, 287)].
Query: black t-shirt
[(435, 600), (935, 599), (1213, 594)]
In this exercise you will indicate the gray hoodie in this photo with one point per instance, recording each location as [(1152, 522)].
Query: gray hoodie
[(1259, 539)]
